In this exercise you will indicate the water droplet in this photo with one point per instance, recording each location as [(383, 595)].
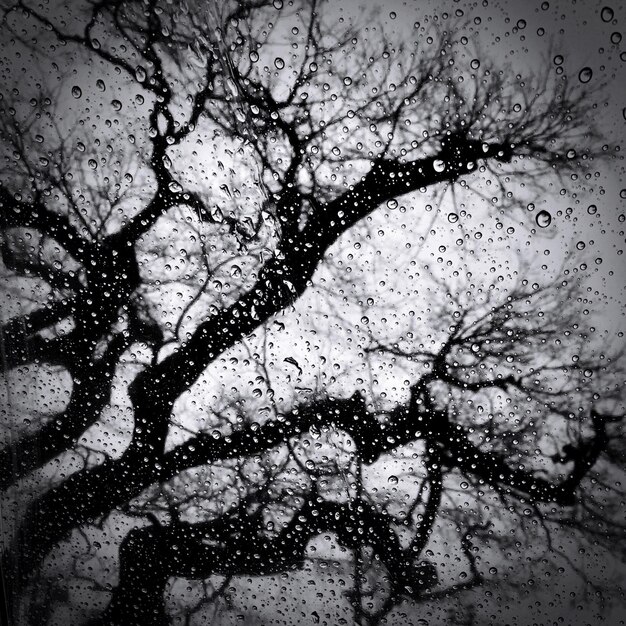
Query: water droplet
[(116, 104), (278, 4), (140, 74), (279, 63), (347, 81), (474, 64), (558, 59), (100, 85), (392, 480), (392, 204), (453, 218), (254, 56), (584, 76), (543, 219), (616, 38), (607, 14), (439, 165), (77, 92), (93, 164), (592, 209)]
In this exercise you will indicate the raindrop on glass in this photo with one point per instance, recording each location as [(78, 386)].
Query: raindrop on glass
[(584, 76), (543, 219), (607, 14)]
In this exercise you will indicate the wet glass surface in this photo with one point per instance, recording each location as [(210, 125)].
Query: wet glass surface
[(312, 312)]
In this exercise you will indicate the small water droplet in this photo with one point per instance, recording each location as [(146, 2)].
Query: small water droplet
[(100, 85)]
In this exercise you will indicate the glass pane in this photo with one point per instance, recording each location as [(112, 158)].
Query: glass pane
[(312, 312)]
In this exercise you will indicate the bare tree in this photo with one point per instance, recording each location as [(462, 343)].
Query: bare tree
[(168, 201)]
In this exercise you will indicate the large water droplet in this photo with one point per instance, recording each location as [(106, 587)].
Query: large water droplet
[(584, 76), (77, 92), (607, 14), (543, 219)]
